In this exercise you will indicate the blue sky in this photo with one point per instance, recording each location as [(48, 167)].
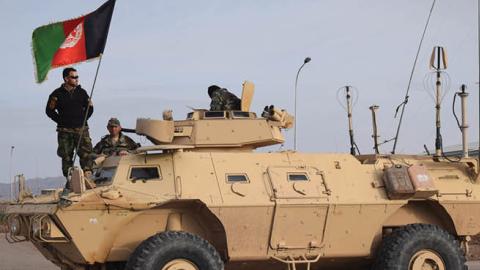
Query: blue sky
[(164, 54)]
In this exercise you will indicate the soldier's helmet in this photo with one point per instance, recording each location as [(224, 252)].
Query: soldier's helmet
[(212, 89), (113, 122)]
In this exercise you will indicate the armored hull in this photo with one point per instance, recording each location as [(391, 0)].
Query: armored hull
[(244, 207)]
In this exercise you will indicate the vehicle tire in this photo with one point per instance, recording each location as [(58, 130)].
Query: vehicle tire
[(175, 250), (420, 246)]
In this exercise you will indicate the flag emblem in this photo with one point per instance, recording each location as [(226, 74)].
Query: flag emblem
[(73, 37)]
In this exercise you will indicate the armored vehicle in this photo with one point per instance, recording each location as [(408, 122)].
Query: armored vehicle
[(201, 198)]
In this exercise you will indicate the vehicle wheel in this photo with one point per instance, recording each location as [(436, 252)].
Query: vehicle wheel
[(175, 251), (420, 247)]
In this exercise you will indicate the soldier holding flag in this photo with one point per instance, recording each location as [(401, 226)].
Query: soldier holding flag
[(68, 106), (62, 44)]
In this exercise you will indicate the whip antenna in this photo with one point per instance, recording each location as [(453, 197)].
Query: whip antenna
[(405, 101)]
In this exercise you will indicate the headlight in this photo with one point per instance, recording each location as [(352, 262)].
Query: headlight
[(46, 225), (41, 226), (14, 225), (45, 229), (36, 226)]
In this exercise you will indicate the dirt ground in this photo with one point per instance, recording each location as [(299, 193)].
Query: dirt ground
[(23, 256)]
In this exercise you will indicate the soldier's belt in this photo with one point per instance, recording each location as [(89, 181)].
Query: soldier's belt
[(72, 130)]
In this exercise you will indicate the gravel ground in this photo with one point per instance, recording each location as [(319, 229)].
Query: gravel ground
[(24, 256)]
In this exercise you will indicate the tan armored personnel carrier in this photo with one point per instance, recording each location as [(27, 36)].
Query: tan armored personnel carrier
[(201, 197)]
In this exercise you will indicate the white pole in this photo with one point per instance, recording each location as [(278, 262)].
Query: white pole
[(478, 37), (463, 95), (10, 172)]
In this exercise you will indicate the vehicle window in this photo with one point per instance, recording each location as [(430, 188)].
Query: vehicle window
[(215, 114), (190, 115), (297, 177), (103, 176), (236, 178), (240, 114), (144, 173)]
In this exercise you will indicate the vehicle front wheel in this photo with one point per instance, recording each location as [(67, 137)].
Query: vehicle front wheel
[(418, 247), (175, 250)]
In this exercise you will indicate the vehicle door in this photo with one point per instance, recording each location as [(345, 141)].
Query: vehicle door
[(301, 195)]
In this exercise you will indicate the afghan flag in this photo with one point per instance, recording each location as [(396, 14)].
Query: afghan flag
[(68, 42)]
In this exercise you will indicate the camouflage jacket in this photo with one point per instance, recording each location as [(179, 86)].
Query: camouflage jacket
[(107, 147), (223, 100)]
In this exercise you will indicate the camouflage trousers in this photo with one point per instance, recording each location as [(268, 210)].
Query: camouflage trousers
[(67, 142)]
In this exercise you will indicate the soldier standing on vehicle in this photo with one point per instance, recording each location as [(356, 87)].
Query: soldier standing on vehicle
[(115, 143), (67, 106), (222, 99)]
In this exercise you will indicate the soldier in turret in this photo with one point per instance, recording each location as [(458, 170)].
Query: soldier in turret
[(115, 143), (222, 99)]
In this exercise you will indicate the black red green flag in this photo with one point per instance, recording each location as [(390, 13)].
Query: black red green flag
[(72, 41)]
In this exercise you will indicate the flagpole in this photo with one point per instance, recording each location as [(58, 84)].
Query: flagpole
[(88, 108)]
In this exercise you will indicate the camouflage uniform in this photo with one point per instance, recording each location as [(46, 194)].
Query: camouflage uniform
[(106, 146), (68, 109), (223, 100), (67, 142)]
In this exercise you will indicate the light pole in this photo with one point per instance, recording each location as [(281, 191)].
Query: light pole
[(308, 59), (478, 41), (10, 172)]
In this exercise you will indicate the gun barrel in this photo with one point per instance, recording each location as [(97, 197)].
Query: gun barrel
[(129, 130)]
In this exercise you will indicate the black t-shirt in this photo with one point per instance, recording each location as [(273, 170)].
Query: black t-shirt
[(67, 108)]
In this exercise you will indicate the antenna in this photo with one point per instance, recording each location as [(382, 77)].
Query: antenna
[(464, 127), (305, 61), (351, 98), (375, 136), (438, 62), (405, 101)]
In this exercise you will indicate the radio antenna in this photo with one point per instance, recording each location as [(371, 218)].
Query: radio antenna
[(438, 62), (405, 101), (464, 126), (375, 136), (351, 97)]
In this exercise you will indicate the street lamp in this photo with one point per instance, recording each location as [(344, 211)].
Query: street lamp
[(308, 59), (10, 172)]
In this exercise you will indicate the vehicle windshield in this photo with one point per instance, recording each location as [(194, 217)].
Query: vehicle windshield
[(103, 176)]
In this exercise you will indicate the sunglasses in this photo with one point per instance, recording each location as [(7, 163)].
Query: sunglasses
[(73, 77)]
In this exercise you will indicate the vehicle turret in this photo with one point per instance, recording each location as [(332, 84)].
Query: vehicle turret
[(205, 130)]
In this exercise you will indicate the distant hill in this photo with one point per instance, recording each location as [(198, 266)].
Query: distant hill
[(35, 185)]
